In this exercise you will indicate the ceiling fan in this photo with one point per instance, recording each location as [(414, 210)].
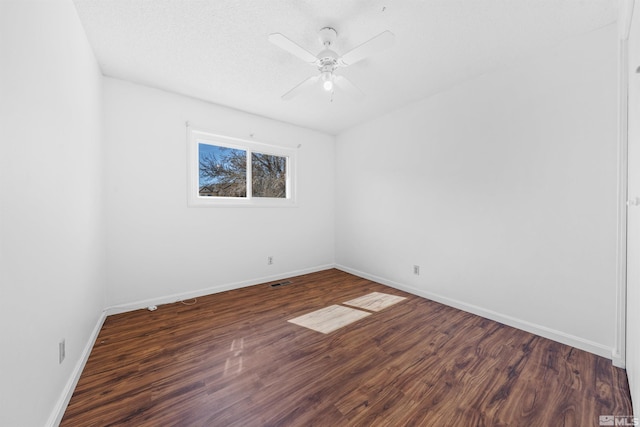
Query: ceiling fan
[(327, 61)]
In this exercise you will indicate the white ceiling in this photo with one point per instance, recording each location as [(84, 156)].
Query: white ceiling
[(217, 50)]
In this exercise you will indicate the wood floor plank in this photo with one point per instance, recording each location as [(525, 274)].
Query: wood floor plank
[(233, 359)]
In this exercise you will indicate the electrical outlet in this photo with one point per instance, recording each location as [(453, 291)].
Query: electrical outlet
[(416, 270), (61, 351), (269, 260)]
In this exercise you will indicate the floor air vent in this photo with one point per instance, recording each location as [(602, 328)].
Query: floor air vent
[(277, 285)]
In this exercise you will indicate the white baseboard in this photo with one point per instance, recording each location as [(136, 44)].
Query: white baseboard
[(67, 392), (169, 299), (543, 331), (618, 360)]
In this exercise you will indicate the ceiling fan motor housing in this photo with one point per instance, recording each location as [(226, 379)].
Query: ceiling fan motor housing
[(327, 59)]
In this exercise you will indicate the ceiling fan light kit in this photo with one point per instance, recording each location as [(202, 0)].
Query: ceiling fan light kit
[(327, 81), (327, 61)]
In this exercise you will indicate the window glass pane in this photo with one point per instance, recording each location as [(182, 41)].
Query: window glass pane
[(269, 175), (223, 171)]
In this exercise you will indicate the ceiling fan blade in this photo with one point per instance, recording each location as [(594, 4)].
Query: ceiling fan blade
[(293, 48), (380, 42), (345, 84), (301, 87)]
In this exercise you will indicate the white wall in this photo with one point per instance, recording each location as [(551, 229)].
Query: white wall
[(52, 257), (502, 189), (158, 247)]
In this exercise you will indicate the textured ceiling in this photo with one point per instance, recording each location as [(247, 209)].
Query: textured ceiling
[(218, 50)]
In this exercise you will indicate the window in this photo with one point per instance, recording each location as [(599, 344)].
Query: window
[(268, 175), (222, 171), (227, 171)]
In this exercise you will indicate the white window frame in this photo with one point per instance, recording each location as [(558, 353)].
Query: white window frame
[(194, 199)]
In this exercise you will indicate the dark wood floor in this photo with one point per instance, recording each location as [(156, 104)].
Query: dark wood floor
[(232, 359)]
